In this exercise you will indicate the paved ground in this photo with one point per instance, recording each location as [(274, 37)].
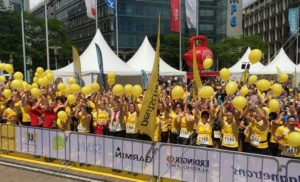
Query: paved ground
[(10, 174)]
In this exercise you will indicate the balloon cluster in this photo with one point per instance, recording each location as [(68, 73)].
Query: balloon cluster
[(111, 79), (7, 67), (128, 89)]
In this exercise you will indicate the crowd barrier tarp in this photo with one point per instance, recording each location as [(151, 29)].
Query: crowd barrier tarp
[(180, 162)]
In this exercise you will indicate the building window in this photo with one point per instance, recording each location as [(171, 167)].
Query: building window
[(206, 27), (207, 12)]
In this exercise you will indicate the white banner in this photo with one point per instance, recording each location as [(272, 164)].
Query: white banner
[(41, 142), (293, 171)]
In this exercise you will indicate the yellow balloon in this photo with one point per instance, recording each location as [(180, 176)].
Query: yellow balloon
[(40, 70), (267, 110), (61, 87), (34, 85), (239, 102), (128, 89), (293, 139), (225, 74), (274, 105), (2, 66), (26, 86), (62, 115), (263, 85), (255, 56), (86, 90), (2, 79), (252, 79), (231, 87), (18, 75), (207, 63), (283, 77), (244, 90), (137, 91), (50, 77), (111, 82), (35, 92), (206, 92), (75, 88), (42, 82), (17, 84), (177, 92), (9, 68), (276, 89), (117, 90), (7, 93), (67, 91), (111, 75), (95, 87), (71, 80), (71, 99)]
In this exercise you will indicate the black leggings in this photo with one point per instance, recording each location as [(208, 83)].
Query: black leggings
[(164, 136), (117, 133), (174, 138), (274, 149), (255, 150)]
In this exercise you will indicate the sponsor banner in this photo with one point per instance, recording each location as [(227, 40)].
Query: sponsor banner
[(293, 168), (293, 17), (196, 164), (8, 140), (175, 15)]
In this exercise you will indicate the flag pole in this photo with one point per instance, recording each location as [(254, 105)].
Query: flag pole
[(197, 18), (96, 4), (23, 41), (117, 28), (47, 40), (180, 53)]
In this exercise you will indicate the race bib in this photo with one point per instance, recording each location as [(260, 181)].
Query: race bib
[(102, 122), (229, 139), (202, 140), (81, 128), (112, 128), (217, 134), (184, 134), (290, 151), (130, 128), (255, 140)]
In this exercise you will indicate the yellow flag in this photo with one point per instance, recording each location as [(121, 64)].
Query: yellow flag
[(245, 76), (77, 66), (278, 70), (148, 113), (197, 83)]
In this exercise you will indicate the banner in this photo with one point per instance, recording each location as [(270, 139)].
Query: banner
[(101, 69), (91, 8), (197, 83), (147, 116), (111, 3), (144, 79), (8, 137), (175, 15), (293, 20), (77, 65), (191, 13)]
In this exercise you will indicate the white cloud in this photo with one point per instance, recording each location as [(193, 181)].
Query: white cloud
[(34, 3)]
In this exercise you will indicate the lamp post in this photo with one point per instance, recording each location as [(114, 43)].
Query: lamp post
[(55, 48)]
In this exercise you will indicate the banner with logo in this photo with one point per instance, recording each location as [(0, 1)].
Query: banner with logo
[(175, 15), (8, 141), (293, 20)]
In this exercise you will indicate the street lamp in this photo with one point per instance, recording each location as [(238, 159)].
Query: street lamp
[(55, 48)]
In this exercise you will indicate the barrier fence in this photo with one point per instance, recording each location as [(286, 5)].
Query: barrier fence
[(180, 162)]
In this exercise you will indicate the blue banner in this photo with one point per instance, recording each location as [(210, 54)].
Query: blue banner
[(101, 69), (111, 3), (294, 20), (144, 79)]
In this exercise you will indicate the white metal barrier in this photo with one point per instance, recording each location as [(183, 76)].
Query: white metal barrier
[(180, 162)]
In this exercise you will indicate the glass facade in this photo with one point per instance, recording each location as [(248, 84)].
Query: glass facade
[(136, 19)]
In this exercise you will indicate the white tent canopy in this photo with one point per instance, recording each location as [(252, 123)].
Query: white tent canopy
[(90, 66), (282, 61), (237, 67), (143, 59)]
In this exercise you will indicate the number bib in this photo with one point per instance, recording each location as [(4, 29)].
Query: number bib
[(255, 140), (184, 133), (130, 127), (81, 128), (290, 151), (112, 128), (102, 122), (217, 134), (202, 140), (229, 139)]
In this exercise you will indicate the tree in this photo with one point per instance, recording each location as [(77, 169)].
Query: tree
[(229, 51)]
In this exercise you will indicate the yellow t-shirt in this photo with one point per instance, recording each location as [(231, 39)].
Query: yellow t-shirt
[(25, 113), (279, 132), (230, 134), (131, 120), (84, 124), (175, 126), (164, 122), (258, 132), (157, 131), (273, 129), (10, 115), (290, 151), (186, 128), (65, 126), (101, 117), (204, 131)]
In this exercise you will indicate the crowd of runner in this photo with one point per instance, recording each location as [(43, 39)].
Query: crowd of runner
[(213, 123)]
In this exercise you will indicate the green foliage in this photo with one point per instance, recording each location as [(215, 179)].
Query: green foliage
[(11, 40), (229, 51)]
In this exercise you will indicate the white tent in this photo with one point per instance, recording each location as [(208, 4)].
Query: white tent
[(143, 59), (89, 63), (237, 71), (282, 61)]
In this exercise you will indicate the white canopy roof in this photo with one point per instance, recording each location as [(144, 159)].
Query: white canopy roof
[(143, 59), (89, 62), (237, 67), (282, 61)]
